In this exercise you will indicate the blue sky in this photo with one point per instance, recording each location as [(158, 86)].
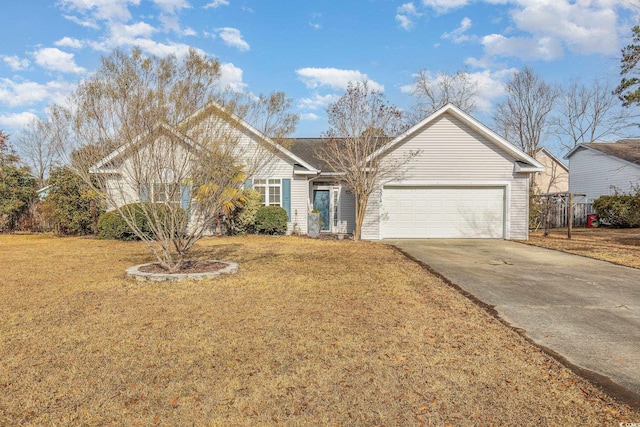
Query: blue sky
[(311, 50)]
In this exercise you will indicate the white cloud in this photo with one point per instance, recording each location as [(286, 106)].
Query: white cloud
[(15, 63), (443, 6), (216, 4), (545, 48), (309, 116), (139, 34), (549, 27), (133, 31), (233, 38), (16, 121), (490, 85), (89, 23), (172, 6), (54, 59), (458, 35), (22, 93), (586, 26), (313, 23), (334, 78), (317, 101), (164, 49), (231, 77), (111, 10), (405, 15), (69, 42)]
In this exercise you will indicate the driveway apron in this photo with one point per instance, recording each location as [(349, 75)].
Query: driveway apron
[(585, 310)]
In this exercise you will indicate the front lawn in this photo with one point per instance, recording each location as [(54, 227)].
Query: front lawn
[(308, 333), (619, 246)]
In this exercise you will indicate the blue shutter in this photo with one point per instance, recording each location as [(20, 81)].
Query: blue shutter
[(248, 184), (286, 196), (185, 197), (144, 192)]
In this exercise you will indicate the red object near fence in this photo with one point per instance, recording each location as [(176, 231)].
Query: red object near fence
[(592, 221)]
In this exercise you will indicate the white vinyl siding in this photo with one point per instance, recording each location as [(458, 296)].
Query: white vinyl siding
[(371, 224), (443, 212), (451, 153), (348, 210), (299, 198), (596, 174), (517, 198)]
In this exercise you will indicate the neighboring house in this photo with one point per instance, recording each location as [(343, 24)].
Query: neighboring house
[(555, 177), (598, 168), (464, 182)]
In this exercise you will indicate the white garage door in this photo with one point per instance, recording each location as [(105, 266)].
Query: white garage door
[(443, 212)]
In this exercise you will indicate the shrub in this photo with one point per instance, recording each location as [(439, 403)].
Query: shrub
[(71, 207), (619, 210), (111, 225), (271, 220), (243, 219)]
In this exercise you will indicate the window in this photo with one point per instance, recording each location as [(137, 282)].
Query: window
[(270, 191), (166, 193)]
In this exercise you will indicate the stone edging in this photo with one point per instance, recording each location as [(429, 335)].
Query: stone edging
[(231, 268)]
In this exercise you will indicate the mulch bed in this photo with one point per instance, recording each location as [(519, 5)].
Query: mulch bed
[(187, 267)]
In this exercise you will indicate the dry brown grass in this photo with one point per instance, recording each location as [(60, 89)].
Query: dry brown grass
[(308, 333), (620, 246)]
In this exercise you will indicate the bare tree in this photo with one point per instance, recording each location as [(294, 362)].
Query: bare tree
[(39, 149), (589, 112), (360, 123), (159, 140), (434, 93), (523, 117)]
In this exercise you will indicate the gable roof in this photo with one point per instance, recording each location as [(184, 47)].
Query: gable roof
[(115, 154), (200, 115), (551, 156), (305, 148), (627, 150), (524, 163), (252, 130)]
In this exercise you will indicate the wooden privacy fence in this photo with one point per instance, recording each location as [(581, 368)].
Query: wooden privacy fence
[(560, 214)]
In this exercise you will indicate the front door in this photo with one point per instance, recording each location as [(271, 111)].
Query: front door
[(322, 203)]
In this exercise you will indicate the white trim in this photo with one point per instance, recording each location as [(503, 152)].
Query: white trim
[(520, 168), (176, 133), (266, 186), (453, 183), (473, 123), (333, 209), (506, 185), (121, 149)]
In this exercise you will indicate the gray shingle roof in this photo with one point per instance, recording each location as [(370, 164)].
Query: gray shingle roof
[(305, 148), (625, 149)]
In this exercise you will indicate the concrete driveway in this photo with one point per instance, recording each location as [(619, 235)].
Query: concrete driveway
[(585, 310)]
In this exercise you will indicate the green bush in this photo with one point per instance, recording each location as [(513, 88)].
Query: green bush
[(619, 210), (271, 220), (111, 225), (243, 219)]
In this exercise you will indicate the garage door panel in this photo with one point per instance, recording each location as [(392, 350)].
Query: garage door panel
[(443, 212)]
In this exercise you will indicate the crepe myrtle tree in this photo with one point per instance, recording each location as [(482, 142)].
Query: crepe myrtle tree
[(361, 122), (162, 132)]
